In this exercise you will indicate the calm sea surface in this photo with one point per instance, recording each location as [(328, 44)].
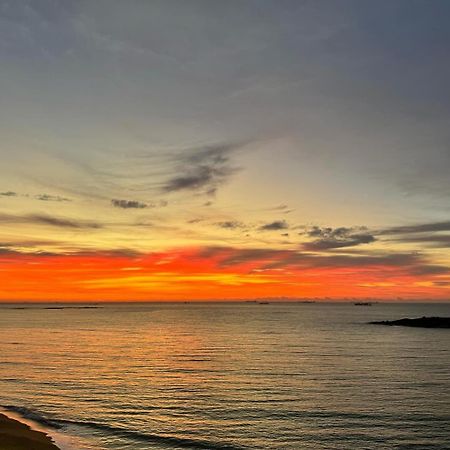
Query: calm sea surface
[(229, 376)]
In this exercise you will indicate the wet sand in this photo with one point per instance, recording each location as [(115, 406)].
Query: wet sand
[(15, 435)]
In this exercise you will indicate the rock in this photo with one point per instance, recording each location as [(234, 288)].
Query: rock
[(422, 322)]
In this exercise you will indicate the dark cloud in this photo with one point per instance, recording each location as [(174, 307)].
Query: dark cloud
[(275, 226), (51, 198), (441, 283), (111, 253), (203, 170), (269, 259), (42, 197), (28, 243), (42, 219), (284, 209), (331, 238), (418, 228), (243, 256), (128, 204), (311, 260), (434, 240), (430, 269), (332, 243), (114, 253), (432, 233), (61, 222), (230, 224), (6, 251)]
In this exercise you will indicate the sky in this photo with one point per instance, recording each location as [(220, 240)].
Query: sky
[(205, 150)]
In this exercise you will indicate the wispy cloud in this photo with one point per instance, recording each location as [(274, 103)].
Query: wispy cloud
[(230, 224), (434, 240), (275, 226), (134, 204), (434, 234), (418, 228), (42, 219), (41, 197), (51, 198), (203, 170), (411, 263), (128, 204), (333, 238), (283, 209)]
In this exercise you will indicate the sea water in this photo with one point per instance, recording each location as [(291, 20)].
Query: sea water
[(228, 376)]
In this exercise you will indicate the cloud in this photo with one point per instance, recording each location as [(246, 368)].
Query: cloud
[(10, 250), (425, 233), (349, 241), (438, 241), (441, 283), (331, 238), (230, 224), (51, 198), (312, 260), (42, 219), (128, 204), (61, 222), (6, 252), (41, 197), (411, 263), (284, 209), (203, 170), (275, 226), (430, 269), (418, 228), (227, 256)]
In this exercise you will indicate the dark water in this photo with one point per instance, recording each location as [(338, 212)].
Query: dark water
[(230, 376)]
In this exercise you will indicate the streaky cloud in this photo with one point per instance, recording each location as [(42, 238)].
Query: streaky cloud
[(418, 228), (275, 226), (434, 240), (333, 238), (42, 219), (412, 263), (203, 170), (128, 204), (230, 224), (51, 198)]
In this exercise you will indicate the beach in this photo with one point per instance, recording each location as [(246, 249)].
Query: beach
[(15, 435)]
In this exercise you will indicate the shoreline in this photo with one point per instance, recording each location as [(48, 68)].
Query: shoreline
[(16, 435)]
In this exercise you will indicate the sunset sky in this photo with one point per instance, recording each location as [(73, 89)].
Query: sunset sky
[(175, 150)]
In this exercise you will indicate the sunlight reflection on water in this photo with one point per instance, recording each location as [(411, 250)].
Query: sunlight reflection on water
[(278, 376)]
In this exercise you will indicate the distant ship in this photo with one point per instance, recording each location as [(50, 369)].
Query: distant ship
[(362, 304)]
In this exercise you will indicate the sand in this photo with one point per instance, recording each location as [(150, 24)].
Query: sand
[(15, 435)]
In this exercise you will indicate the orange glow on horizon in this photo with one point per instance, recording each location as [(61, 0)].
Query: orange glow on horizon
[(193, 274)]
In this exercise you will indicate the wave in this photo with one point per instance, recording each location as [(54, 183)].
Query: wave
[(179, 442), (27, 413)]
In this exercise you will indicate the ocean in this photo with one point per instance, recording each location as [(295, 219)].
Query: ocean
[(279, 376)]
